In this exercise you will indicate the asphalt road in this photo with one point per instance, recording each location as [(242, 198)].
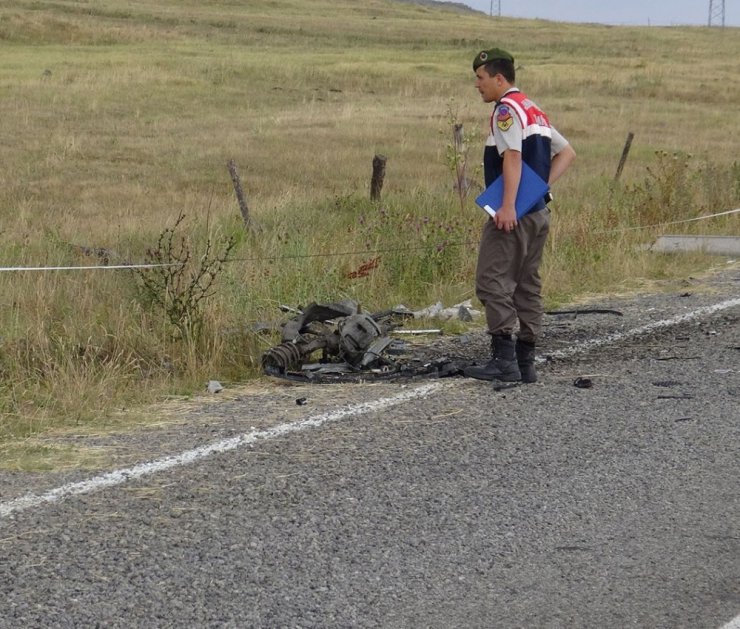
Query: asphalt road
[(545, 505)]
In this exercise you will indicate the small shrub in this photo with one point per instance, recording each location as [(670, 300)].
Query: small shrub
[(456, 155), (667, 191), (182, 283)]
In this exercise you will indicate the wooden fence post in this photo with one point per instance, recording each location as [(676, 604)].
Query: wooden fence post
[(625, 152), (231, 165), (376, 183), (461, 159)]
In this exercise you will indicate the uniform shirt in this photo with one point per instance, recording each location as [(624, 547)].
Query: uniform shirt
[(518, 124)]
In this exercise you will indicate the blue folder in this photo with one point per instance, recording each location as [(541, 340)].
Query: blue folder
[(532, 189)]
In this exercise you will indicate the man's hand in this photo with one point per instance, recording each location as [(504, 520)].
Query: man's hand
[(505, 218)]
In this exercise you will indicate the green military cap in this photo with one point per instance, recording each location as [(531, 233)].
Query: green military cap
[(492, 54)]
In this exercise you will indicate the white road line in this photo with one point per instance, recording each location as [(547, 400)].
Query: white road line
[(119, 477), (609, 339), (733, 624)]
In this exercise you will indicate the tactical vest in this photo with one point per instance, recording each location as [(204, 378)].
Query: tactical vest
[(536, 139)]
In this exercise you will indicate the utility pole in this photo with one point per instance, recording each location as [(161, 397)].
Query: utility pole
[(497, 4), (716, 13)]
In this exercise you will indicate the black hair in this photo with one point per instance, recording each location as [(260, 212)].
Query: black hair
[(504, 67)]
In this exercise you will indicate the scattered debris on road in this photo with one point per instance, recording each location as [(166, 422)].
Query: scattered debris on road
[(353, 346), (214, 386), (583, 383)]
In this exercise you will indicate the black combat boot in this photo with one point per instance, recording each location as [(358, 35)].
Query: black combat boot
[(502, 366), (525, 360)]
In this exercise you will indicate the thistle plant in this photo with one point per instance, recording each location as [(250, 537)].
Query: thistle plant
[(182, 282)]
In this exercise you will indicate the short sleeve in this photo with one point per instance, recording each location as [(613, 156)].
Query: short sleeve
[(507, 130), (558, 142)]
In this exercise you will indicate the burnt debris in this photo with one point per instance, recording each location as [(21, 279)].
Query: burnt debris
[(337, 342)]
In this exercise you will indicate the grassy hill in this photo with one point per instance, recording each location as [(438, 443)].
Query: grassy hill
[(120, 116)]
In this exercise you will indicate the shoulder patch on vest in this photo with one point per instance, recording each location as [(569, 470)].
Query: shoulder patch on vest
[(504, 119)]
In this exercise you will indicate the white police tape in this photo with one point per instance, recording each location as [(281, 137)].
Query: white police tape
[(110, 267), (346, 253), (687, 220)]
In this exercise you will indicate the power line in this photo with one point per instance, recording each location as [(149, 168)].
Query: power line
[(496, 4)]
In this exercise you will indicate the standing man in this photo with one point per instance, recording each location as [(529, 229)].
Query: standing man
[(507, 279)]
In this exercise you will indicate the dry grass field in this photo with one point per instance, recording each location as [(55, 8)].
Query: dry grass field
[(119, 117)]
